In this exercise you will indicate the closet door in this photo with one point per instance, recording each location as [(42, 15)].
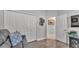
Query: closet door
[(61, 28), (24, 23)]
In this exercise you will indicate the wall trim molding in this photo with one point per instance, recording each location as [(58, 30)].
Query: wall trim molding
[(39, 39)]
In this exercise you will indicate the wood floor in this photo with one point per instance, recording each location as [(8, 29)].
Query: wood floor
[(49, 43)]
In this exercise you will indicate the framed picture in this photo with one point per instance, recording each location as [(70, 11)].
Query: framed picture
[(74, 20), (51, 22)]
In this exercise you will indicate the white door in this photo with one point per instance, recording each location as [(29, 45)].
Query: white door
[(61, 28)]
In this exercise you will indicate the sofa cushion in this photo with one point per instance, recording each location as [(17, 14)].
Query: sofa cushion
[(1, 38), (3, 35), (6, 44)]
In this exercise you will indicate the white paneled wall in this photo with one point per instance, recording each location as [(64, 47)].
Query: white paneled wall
[(24, 23), (1, 19)]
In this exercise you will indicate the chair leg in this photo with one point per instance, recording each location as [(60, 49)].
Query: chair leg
[(22, 44)]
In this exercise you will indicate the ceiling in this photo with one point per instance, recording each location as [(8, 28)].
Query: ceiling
[(58, 12)]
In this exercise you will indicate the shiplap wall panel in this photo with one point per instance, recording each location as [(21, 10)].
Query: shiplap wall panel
[(1, 19), (24, 23)]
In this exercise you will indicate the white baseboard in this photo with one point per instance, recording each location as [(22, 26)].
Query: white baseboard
[(30, 40), (41, 38), (62, 41)]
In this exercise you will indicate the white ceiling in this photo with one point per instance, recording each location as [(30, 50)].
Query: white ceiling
[(50, 12), (59, 11)]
